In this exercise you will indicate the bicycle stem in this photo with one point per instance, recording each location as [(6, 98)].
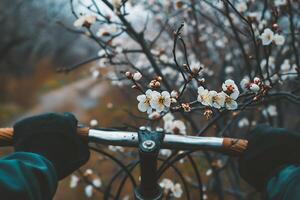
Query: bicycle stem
[(149, 146)]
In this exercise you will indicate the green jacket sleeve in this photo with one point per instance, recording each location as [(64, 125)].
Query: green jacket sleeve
[(27, 176), (285, 184)]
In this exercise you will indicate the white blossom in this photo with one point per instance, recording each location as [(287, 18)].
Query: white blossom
[(93, 123), (245, 82), (218, 99), (271, 63), (254, 87), (241, 6), (230, 88), (116, 3), (177, 190), (88, 190), (229, 69), (204, 97), (160, 101), (230, 103), (106, 30), (175, 127), (285, 66), (97, 182), (287, 70), (195, 66), (144, 101), (88, 172), (267, 36), (279, 39), (167, 184), (137, 76), (95, 73), (168, 117), (271, 111), (257, 80), (243, 122), (248, 85), (174, 94), (208, 172), (74, 181), (82, 20)]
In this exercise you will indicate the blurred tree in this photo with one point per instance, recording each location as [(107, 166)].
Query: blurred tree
[(30, 31)]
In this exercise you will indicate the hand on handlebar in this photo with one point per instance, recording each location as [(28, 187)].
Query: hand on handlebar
[(55, 137), (269, 149)]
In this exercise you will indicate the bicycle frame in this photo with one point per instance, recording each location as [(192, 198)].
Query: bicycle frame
[(149, 143)]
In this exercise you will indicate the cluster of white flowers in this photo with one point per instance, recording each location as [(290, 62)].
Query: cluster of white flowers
[(288, 70), (248, 85), (268, 36), (134, 76), (168, 185), (106, 30), (173, 126), (226, 98), (153, 100), (95, 182), (85, 20)]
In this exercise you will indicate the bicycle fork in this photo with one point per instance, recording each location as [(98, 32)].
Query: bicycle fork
[(149, 146)]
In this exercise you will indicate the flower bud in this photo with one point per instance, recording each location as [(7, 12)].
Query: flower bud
[(174, 94), (256, 80), (137, 76), (254, 87), (128, 74), (186, 107), (208, 113)]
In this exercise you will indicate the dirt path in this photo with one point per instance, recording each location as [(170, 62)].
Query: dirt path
[(76, 97)]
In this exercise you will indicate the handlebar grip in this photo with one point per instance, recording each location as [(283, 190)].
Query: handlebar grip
[(6, 135)]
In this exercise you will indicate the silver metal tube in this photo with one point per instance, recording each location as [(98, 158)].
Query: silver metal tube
[(180, 142)]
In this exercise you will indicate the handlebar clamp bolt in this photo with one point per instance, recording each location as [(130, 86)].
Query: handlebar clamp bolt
[(148, 144)]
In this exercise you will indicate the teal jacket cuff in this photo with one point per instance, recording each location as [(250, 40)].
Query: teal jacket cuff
[(27, 176), (285, 184)]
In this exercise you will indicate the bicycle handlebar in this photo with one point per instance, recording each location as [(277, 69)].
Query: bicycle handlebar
[(130, 139)]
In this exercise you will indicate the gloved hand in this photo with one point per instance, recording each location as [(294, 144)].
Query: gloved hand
[(53, 136), (269, 150)]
